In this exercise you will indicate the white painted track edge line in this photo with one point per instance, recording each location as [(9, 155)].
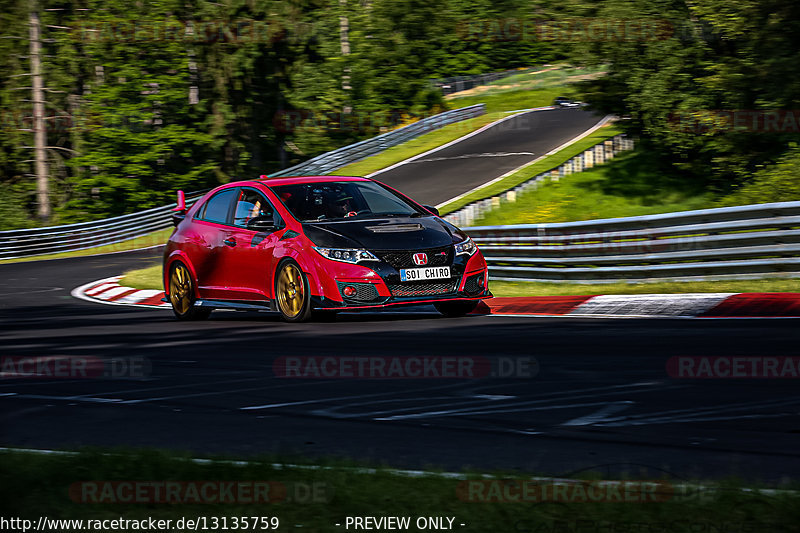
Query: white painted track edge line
[(602, 122), (456, 141)]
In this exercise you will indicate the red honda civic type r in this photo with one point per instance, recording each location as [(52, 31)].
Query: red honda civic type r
[(315, 245)]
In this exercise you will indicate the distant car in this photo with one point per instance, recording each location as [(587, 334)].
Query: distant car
[(317, 245), (563, 101)]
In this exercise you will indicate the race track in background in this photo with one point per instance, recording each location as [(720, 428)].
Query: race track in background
[(464, 165)]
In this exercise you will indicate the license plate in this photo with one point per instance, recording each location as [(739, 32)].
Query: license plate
[(421, 274)]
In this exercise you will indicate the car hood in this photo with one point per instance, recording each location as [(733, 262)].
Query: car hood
[(389, 233)]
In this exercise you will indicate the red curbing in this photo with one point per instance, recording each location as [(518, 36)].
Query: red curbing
[(531, 305), (757, 304)]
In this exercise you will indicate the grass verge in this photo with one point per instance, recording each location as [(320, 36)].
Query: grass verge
[(530, 89), (317, 499), (148, 278), (605, 132), (632, 184), (512, 100), (151, 239)]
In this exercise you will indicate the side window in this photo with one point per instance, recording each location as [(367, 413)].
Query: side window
[(250, 205), (216, 209)]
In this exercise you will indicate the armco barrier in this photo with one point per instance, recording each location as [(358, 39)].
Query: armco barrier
[(750, 241), (330, 161), (71, 237)]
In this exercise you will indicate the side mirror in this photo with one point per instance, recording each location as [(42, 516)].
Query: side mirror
[(262, 223), (432, 209)]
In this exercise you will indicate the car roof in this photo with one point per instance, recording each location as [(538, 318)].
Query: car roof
[(291, 180)]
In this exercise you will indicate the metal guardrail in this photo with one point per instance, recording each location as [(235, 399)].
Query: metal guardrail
[(15, 244), (744, 242), (330, 161)]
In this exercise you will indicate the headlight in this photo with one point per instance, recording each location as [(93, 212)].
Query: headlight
[(346, 255), (467, 247)]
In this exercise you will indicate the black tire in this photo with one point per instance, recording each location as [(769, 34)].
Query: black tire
[(292, 294), (182, 294), (455, 309)]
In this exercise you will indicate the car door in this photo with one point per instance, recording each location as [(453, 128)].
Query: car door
[(248, 257), (210, 227)]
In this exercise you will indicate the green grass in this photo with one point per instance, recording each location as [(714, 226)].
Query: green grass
[(524, 74), (540, 77), (529, 288), (36, 485), (521, 91), (511, 99), (417, 146), (150, 278), (631, 184), (151, 239), (144, 278), (546, 163)]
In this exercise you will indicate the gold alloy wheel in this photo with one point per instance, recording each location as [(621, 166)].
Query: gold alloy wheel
[(290, 290), (180, 289)]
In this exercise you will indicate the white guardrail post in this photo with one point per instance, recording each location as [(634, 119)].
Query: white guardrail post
[(469, 213)]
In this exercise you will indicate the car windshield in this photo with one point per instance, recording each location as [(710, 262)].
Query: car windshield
[(337, 200)]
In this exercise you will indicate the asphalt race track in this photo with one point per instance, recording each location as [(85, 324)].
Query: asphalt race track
[(459, 168), (601, 399)]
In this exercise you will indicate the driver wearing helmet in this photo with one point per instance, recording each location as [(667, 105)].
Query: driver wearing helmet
[(342, 205)]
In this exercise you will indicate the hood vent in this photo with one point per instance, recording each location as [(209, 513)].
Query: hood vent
[(395, 228)]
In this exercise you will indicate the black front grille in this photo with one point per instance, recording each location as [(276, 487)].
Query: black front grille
[(405, 258), (423, 289), (365, 292)]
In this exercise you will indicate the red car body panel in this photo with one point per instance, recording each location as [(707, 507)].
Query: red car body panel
[(232, 263)]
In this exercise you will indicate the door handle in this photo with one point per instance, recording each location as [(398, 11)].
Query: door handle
[(229, 242)]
